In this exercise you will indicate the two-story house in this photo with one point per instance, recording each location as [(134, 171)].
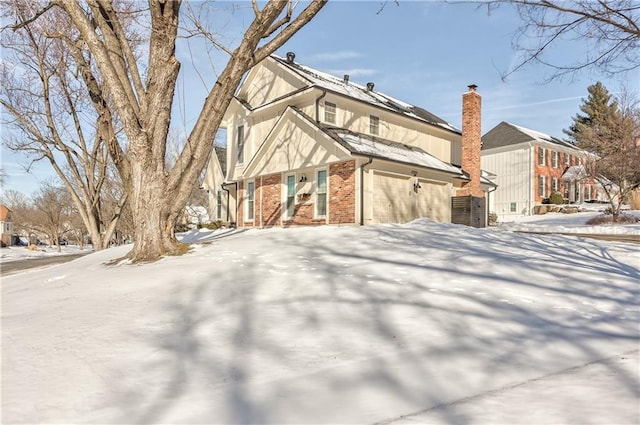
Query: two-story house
[(305, 147), (529, 166)]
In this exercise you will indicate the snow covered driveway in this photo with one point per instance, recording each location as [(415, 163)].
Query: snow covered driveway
[(421, 322)]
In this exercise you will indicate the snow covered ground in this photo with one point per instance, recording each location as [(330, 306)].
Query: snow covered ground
[(415, 323)]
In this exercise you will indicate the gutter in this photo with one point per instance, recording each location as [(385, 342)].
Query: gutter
[(362, 189)]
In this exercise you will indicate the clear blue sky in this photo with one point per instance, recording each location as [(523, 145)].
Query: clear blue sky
[(424, 53)]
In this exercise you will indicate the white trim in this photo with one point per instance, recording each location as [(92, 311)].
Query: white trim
[(285, 197), (335, 112), (326, 193), (240, 123), (245, 216)]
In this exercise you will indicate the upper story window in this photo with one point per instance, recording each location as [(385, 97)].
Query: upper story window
[(240, 144), (329, 112), (374, 125), (567, 159), (554, 159), (542, 159)]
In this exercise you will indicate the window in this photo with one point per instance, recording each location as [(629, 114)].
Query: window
[(554, 159), (240, 144), (541, 156), (321, 193), (291, 196), (567, 159), (251, 193), (588, 194), (554, 184), (330, 112), (512, 207), (541, 186), (374, 125), (219, 204)]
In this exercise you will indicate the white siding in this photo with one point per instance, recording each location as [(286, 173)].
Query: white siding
[(513, 171)]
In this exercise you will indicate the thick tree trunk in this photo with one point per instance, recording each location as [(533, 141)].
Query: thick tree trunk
[(153, 222)]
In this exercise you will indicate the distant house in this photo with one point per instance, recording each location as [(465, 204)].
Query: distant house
[(304, 147), (529, 166), (213, 183), (6, 225)]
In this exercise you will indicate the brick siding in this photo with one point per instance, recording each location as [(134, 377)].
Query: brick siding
[(271, 200), (269, 204), (342, 192)]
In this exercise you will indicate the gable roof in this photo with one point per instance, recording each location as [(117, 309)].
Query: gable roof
[(221, 153), (360, 93), (506, 134)]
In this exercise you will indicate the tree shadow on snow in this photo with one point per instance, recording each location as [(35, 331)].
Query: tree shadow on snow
[(415, 324)]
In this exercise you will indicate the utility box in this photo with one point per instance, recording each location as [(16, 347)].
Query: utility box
[(469, 210)]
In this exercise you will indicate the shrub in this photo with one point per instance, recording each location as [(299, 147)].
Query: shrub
[(212, 225), (556, 198), (608, 218)]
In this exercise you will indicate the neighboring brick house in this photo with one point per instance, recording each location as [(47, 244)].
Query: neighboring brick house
[(304, 147), (6, 225), (529, 166)]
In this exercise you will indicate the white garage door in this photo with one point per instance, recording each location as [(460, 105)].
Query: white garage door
[(434, 201), (392, 198)]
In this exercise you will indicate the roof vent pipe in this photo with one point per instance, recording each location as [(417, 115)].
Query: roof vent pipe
[(346, 78), (291, 57), (370, 86)]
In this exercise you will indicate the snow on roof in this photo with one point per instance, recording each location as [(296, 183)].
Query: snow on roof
[(363, 94), (394, 152), (575, 172), (543, 137)]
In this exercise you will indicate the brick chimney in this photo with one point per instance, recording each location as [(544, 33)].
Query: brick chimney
[(471, 142)]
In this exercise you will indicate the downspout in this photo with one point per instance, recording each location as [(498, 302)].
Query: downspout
[(222, 186), (236, 185), (489, 192), (362, 190), (532, 183), (324, 93)]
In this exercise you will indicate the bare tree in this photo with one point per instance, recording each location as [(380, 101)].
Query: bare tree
[(48, 212), (610, 131), (57, 111), (52, 206), (609, 31), (142, 93)]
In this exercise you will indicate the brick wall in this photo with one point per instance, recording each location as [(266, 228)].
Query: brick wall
[(549, 172), (269, 204), (271, 200), (342, 192), (241, 193)]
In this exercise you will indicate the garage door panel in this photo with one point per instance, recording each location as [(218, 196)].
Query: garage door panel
[(433, 201), (391, 199)]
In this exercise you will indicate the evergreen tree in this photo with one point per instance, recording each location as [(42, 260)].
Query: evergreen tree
[(597, 109)]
